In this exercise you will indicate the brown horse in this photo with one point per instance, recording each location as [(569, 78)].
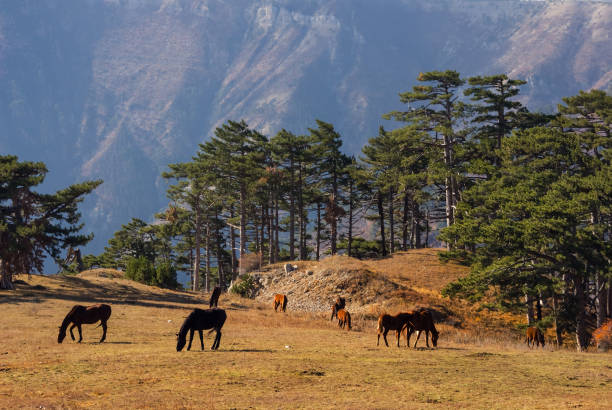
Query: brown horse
[(280, 301), (388, 322), (534, 337), (79, 315), (344, 319), (339, 304), (421, 320), (214, 297)]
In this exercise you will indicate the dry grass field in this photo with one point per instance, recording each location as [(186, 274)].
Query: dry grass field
[(267, 359)]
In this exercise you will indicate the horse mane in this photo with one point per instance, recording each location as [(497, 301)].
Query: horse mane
[(186, 325), (68, 318)]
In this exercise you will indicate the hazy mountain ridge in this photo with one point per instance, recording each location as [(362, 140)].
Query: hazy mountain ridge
[(120, 88)]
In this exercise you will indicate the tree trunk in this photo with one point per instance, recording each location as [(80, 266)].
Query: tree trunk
[(416, 212), (276, 226), (582, 337), (529, 304), (221, 281), (427, 229), (381, 218), (243, 223), (196, 263), (207, 245), (302, 245), (391, 223), (291, 213), (269, 214), (263, 234), (539, 308), (350, 220), (558, 330), (233, 243), (405, 220), (600, 298), (6, 282), (609, 303), (334, 218), (318, 230)]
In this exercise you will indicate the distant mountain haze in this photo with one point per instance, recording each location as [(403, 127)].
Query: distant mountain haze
[(117, 89)]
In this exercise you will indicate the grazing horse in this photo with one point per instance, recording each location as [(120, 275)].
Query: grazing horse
[(79, 315), (214, 297), (339, 304), (388, 322), (280, 301), (421, 320), (344, 319), (534, 337), (199, 320)]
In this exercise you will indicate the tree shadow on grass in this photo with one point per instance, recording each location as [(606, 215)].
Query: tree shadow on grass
[(77, 289)]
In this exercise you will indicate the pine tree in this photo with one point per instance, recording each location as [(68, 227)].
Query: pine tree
[(532, 231), (435, 110), (32, 224), (331, 163)]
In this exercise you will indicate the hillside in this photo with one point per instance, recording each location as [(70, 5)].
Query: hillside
[(268, 359), (119, 89), (404, 281)]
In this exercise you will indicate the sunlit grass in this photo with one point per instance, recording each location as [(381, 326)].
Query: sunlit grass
[(267, 359)]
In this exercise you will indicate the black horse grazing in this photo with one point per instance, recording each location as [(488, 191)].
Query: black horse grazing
[(199, 320), (84, 314), (214, 297)]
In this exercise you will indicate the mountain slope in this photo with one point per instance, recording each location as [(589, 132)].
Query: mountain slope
[(118, 89)]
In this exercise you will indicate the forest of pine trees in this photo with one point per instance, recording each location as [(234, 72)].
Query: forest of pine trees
[(522, 198)]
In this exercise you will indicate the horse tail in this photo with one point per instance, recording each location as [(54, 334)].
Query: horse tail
[(348, 318)]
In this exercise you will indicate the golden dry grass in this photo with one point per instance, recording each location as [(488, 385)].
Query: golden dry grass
[(266, 359)]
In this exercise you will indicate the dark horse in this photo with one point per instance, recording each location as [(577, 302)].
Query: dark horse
[(388, 322), (422, 320), (214, 297), (339, 304), (84, 314), (199, 320)]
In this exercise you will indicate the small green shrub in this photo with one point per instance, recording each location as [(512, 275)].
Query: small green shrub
[(140, 269), (244, 286)]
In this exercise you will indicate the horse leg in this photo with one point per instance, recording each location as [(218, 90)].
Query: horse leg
[(103, 332), (190, 338), (427, 338), (80, 334), (201, 339), (409, 332), (385, 336), (417, 339), (71, 334), (398, 332), (217, 341)]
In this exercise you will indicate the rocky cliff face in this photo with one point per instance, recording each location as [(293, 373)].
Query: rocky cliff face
[(117, 89)]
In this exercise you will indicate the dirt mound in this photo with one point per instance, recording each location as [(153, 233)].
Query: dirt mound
[(314, 286), (102, 273)]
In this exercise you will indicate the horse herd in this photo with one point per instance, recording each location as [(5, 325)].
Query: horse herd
[(420, 320)]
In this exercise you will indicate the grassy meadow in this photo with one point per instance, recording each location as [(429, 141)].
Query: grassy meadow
[(266, 359)]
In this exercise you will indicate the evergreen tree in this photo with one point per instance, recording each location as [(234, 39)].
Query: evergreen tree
[(533, 229), (32, 224), (436, 113), (331, 164)]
